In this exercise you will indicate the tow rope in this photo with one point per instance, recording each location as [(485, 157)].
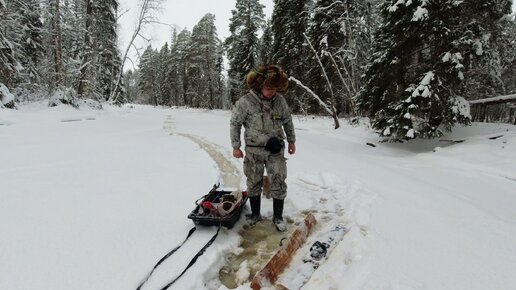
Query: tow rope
[(194, 259)]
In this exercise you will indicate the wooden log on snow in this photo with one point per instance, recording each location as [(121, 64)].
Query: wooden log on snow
[(277, 264)]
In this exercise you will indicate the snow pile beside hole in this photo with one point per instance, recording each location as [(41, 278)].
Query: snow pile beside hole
[(242, 275)]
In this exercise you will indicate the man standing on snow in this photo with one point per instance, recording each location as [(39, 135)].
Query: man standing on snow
[(267, 121)]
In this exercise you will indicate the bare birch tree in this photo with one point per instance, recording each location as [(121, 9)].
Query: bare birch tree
[(331, 99), (145, 16)]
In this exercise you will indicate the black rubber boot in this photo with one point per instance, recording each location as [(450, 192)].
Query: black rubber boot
[(277, 219), (255, 216)]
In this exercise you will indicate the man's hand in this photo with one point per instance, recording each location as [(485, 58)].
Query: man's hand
[(237, 153), (291, 148)]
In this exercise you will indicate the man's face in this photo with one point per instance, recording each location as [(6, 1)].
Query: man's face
[(268, 92)]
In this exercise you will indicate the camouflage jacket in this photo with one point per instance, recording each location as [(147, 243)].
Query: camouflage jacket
[(262, 119)]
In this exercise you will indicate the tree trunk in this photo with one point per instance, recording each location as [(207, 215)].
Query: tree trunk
[(87, 49), (332, 96), (58, 42)]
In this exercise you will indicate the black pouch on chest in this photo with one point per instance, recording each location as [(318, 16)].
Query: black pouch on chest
[(274, 145)]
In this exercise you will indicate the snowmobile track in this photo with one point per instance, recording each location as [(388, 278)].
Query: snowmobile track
[(229, 173)]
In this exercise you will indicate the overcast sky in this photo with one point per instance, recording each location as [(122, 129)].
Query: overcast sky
[(180, 13)]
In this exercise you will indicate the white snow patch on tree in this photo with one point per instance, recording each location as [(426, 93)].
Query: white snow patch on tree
[(415, 93), (461, 107), (459, 66), (387, 131), (394, 7), (407, 116), (447, 57), (479, 50), (410, 133), (423, 89), (456, 59), (324, 41), (428, 78), (19, 67), (426, 92), (420, 14)]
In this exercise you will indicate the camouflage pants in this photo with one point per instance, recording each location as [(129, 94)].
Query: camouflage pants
[(276, 166)]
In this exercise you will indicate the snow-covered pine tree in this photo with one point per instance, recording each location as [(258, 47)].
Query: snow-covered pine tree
[(178, 73), (109, 59), (8, 63), (203, 63), (73, 17), (148, 71), (266, 42), (98, 53), (63, 33), (14, 35), (163, 88), (47, 63), (242, 45), (28, 14), (414, 86), (221, 96), (131, 81), (55, 21), (289, 23), (171, 71)]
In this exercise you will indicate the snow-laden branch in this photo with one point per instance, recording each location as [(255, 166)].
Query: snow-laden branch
[(494, 100), (299, 83), (350, 93)]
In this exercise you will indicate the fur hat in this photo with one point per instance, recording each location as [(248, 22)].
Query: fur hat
[(268, 75)]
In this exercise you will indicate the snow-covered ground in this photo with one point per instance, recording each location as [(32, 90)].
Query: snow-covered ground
[(92, 199)]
